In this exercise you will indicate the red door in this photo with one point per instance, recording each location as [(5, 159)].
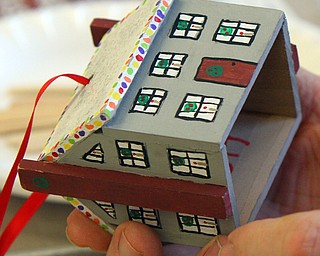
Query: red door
[(225, 71)]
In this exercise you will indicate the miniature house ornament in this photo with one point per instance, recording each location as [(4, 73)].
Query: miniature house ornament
[(188, 115)]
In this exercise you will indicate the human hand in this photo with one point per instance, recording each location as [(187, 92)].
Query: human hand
[(295, 189)]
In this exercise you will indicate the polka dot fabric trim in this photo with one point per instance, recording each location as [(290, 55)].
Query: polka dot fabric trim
[(87, 212), (119, 89)]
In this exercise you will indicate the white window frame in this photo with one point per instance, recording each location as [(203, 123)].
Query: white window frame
[(145, 216), (198, 224), (132, 154), (202, 108), (188, 163), (108, 208), (95, 154), (194, 25), (155, 97), (168, 64), (237, 32)]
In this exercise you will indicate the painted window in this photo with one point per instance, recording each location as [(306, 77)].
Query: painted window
[(146, 216), (225, 71), (198, 224), (199, 108), (95, 154), (188, 26), (107, 207), (148, 100), (167, 64), (188, 163), (132, 154), (236, 32)]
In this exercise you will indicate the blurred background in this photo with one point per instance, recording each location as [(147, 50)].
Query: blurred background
[(42, 38)]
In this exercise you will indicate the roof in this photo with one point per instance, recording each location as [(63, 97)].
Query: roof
[(112, 68)]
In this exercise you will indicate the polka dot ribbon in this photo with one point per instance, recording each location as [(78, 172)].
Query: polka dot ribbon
[(32, 204)]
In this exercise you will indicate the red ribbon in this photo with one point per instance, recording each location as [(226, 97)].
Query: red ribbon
[(36, 199)]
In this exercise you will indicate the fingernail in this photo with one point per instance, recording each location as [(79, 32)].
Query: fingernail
[(213, 250), (125, 248), (220, 249), (228, 250)]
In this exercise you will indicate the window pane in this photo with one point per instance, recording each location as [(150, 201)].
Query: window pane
[(188, 26), (167, 64), (196, 107), (148, 100), (146, 216), (107, 207), (95, 154), (188, 163), (236, 32), (132, 154), (198, 224)]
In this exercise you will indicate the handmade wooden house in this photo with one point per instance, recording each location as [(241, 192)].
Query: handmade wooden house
[(189, 112)]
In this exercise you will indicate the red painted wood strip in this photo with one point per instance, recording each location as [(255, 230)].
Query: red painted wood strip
[(125, 188), (31, 3), (99, 27)]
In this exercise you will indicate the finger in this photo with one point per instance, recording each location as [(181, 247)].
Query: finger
[(309, 85), (83, 232), (295, 234), (134, 239)]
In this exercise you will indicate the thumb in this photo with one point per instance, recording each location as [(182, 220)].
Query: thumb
[(134, 239), (295, 234)]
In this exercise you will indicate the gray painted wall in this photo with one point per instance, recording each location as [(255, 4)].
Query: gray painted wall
[(157, 155), (164, 122), (170, 230)]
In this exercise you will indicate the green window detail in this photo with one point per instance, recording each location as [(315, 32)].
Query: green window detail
[(148, 100), (178, 161), (187, 220), (226, 31), (126, 153), (182, 25), (135, 214), (143, 99), (214, 71), (190, 106), (163, 64)]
